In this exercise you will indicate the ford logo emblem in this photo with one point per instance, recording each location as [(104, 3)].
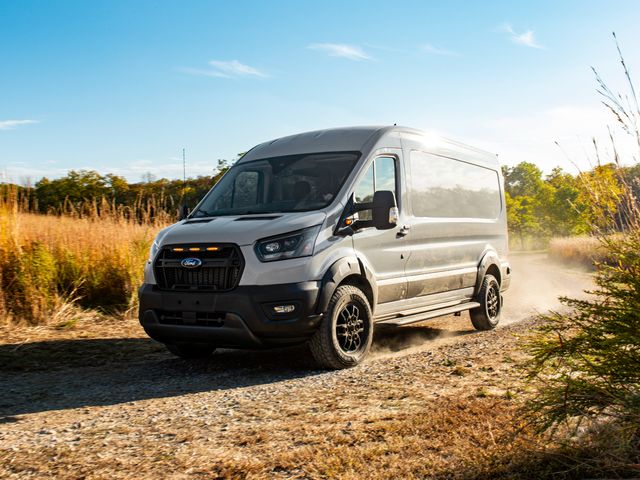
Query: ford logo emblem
[(191, 262)]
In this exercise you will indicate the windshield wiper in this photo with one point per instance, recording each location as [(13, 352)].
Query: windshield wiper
[(203, 213)]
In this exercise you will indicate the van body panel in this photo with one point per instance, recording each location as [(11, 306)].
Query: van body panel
[(446, 251)]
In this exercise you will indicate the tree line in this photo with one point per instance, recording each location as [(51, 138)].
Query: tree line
[(560, 204), (83, 190), (539, 206)]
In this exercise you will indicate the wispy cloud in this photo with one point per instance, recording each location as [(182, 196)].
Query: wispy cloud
[(11, 124), (350, 52), (526, 38), (225, 69), (235, 68), (434, 50)]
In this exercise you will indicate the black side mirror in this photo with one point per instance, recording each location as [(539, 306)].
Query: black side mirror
[(183, 212), (385, 210)]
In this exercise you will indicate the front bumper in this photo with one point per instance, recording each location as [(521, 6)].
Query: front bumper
[(242, 318)]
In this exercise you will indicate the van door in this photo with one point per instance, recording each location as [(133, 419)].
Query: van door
[(384, 251)]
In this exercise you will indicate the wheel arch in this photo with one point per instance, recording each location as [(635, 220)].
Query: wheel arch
[(347, 271), (490, 264)]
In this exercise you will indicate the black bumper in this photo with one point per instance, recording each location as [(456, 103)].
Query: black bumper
[(242, 318)]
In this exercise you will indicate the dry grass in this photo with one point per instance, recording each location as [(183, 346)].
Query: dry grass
[(584, 251), (54, 268), (446, 438), (408, 417)]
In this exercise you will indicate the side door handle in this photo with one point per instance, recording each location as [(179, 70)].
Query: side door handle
[(404, 230)]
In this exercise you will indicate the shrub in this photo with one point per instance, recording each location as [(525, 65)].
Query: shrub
[(586, 363)]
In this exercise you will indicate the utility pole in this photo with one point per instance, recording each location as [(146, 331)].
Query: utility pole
[(184, 172), (184, 168)]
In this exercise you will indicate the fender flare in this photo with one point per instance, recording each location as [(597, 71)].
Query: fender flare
[(335, 275), (490, 258)]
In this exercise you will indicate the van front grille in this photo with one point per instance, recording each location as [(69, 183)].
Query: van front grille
[(218, 269)]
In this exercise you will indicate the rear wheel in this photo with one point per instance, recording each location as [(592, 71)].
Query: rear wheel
[(487, 315), (190, 351), (346, 331)]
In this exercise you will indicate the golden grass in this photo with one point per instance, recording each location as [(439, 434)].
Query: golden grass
[(577, 250), (50, 265)]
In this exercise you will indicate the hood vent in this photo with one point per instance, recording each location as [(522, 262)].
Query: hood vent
[(247, 219), (204, 220)]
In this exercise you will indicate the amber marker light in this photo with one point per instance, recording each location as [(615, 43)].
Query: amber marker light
[(348, 221), (213, 249), (194, 249), (178, 249)]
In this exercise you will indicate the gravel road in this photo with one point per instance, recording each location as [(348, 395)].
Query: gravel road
[(135, 411)]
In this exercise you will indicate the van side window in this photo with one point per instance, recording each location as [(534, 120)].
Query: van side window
[(447, 188), (385, 176), (364, 190), (381, 175)]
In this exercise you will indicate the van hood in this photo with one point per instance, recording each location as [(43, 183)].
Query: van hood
[(241, 229)]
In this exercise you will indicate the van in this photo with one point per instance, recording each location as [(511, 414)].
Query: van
[(323, 236)]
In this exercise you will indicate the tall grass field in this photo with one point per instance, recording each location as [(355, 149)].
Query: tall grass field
[(55, 268)]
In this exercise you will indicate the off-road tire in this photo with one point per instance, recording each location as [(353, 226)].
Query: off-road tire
[(325, 344), (190, 351), (487, 315)]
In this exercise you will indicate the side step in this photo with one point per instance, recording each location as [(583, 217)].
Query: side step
[(419, 317)]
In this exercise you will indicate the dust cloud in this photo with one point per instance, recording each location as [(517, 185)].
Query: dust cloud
[(536, 284)]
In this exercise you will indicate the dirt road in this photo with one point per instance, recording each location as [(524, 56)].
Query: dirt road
[(116, 407)]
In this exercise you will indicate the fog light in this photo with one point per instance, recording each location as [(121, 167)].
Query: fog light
[(284, 308)]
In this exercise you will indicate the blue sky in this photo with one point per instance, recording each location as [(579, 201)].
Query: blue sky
[(122, 86)]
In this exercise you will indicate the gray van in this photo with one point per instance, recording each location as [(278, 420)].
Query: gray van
[(321, 236)]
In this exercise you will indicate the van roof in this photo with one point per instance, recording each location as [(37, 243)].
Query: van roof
[(351, 139)]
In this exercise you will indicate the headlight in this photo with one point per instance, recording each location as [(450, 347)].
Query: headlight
[(291, 245)]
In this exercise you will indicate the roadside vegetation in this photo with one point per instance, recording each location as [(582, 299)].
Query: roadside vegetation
[(585, 366), (56, 269)]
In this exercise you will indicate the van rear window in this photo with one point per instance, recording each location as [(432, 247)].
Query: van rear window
[(447, 188)]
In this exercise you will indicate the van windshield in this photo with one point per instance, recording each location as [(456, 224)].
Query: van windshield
[(291, 183)]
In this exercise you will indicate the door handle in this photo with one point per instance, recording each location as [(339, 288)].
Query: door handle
[(404, 230)]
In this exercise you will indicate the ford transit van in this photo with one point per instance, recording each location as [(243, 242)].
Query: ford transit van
[(322, 236)]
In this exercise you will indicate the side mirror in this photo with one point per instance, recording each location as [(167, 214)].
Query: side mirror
[(183, 212), (385, 210)]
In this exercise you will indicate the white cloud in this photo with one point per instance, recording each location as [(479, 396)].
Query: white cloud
[(350, 52), (235, 68), (11, 124), (432, 49), (527, 38), (225, 69)]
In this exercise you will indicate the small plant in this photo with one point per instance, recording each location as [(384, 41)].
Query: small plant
[(482, 393), (460, 371)]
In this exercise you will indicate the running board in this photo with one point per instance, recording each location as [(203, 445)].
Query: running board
[(419, 317)]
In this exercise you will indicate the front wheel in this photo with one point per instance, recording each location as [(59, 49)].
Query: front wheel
[(344, 336), (190, 351), (487, 315)]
